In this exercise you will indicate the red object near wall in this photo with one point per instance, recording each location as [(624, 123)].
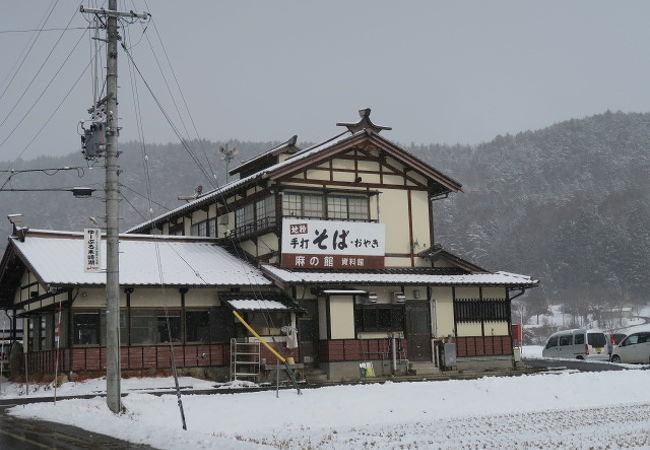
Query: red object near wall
[(483, 346), (358, 350), (517, 332), (93, 359)]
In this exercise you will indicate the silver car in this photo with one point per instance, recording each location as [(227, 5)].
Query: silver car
[(635, 348), (577, 344)]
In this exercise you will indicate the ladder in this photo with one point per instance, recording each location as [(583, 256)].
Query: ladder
[(245, 361)]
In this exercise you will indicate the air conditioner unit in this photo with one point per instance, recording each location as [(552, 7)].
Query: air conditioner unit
[(398, 298), (370, 298)]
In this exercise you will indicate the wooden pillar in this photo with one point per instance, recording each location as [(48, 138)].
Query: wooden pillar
[(128, 291), (183, 291)]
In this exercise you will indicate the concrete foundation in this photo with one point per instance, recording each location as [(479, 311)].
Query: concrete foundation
[(485, 363)]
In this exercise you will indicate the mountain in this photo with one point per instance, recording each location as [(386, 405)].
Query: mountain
[(568, 204)]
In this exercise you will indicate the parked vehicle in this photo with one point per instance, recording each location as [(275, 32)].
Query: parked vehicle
[(616, 338), (579, 344), (635, 348)]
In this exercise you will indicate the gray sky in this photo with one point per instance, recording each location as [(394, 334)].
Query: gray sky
[(461, 71)]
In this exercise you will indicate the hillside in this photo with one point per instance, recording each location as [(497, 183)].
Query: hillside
[(569, 204)]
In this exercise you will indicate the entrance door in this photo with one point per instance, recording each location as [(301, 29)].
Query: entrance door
[(418, 330), (308, 331)]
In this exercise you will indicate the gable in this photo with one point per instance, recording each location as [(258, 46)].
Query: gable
[(366, 153)]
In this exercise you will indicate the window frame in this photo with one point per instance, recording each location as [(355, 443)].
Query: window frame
[(365, 323), (334, 206)]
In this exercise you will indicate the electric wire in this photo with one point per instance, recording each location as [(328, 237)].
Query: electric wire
[(256, 291), (39, 70), (145, 161), (180, 90), (48, 120), (144, 196), (44, 29), (168, 119), (29, 50), (40, 96), (133, 206)]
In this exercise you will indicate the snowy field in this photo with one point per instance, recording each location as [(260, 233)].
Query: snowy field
[(567, 410)]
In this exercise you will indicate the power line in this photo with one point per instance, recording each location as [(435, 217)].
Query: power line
[(47, 121), (133, 206), (40, 96), (45, 29), (180, 90), (168, 119), (54, 170), (29, 50), (38, 72), (144, 196)]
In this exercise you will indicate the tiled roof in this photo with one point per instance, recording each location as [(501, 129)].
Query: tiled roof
[(300, 277), (225, 189)]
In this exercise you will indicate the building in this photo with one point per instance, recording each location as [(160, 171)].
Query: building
[(335, 240)]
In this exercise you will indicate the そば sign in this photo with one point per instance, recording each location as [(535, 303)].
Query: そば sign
[(328, 244), (92, 250)]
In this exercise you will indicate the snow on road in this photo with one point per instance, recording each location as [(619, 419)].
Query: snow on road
[(581, 410)]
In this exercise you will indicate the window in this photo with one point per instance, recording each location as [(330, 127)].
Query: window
[(579, 339), (596, 339), (319, 206), (474, 310), (552, 342), (337, 208), (212, 227), (150, 326), (292, 204), (245, 215), (312, 206), (358, 208), (265, 212), (197, 326), (379, 317), (86, 329), (200, 228), (631, 340), (565, 340)]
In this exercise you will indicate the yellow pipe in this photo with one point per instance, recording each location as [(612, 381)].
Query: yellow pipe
[(241, 319)]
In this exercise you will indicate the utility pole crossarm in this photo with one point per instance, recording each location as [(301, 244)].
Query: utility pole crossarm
[(113, 13)]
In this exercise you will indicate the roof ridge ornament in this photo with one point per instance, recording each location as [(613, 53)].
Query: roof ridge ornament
[(363, 124)]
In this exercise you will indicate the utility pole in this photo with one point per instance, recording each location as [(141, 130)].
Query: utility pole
[(112, 190)]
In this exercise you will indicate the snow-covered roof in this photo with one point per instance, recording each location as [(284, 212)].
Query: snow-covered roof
[(57, 259), (251, 304), (223, 190), (498, 278)]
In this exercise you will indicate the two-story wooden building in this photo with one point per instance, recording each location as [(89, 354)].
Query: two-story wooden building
[(336, 239)]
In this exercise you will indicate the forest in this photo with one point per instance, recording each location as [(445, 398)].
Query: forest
[(568, 204)]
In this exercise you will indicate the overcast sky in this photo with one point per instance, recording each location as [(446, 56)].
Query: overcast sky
[(443, 72)]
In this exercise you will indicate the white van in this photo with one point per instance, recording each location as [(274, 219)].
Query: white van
[(635, 348), (577, 344)]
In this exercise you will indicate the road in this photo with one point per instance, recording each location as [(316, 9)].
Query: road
[(27, 434), (576, 364), (620, 427)]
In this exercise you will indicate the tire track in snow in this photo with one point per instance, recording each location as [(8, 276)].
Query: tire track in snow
[(623, 426)]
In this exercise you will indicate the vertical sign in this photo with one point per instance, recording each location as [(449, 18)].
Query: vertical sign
[(92, 252)]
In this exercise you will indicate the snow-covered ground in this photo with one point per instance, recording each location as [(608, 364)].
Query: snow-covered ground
[(98, 386), (532, 351), (556, 318), (540, 411)]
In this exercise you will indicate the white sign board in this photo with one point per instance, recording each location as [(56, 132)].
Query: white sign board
[(92, 250), (330, 244)]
